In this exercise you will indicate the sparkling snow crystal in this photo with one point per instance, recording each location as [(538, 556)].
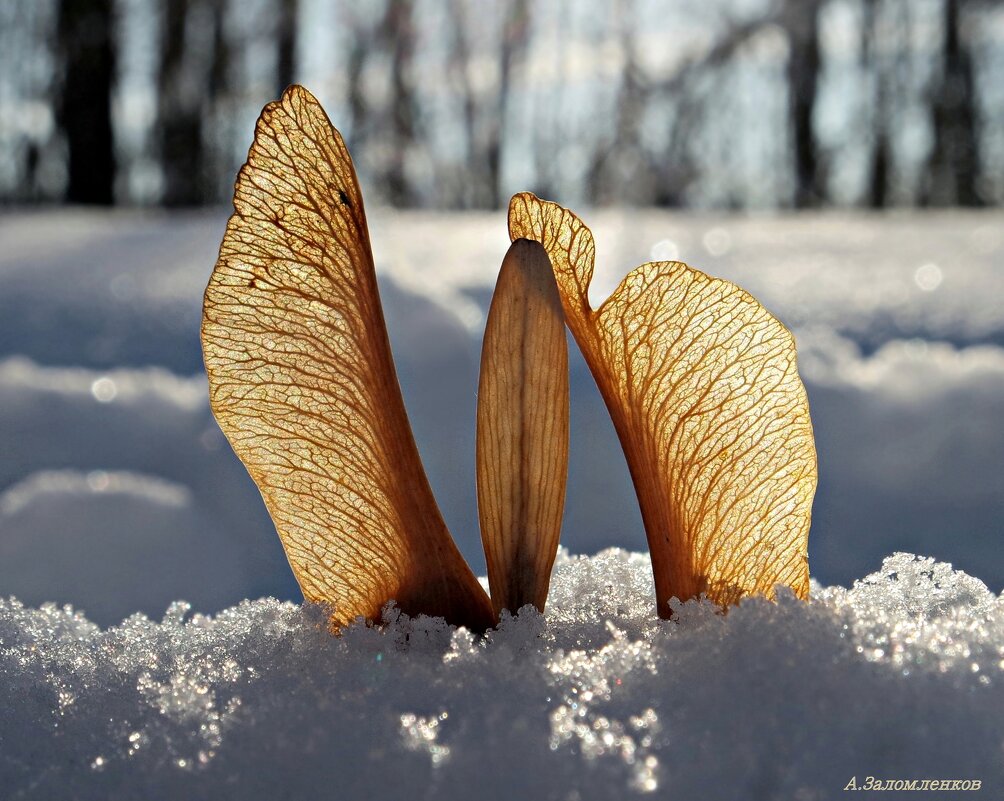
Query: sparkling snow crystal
[(900, 677)]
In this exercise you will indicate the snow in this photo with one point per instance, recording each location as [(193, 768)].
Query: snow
[(155, 531), (899, 677), (114, 545), (898, 318)]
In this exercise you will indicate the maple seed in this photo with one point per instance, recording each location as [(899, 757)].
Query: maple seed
[(700, 381), (522, 441), (302, 383), (702, 386)]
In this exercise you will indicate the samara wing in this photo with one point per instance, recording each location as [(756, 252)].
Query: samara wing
[(702, 386), (303, 384)]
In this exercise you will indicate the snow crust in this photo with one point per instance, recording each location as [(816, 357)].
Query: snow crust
[(899, 677)]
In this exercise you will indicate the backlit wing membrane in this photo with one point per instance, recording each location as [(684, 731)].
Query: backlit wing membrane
[(703, 388), (303, 384)]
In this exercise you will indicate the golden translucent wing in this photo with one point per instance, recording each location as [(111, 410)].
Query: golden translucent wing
[(303, 384), (522, 453), (702, 385)]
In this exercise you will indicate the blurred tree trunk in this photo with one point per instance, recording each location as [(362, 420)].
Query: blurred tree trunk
[(219, 69), (469, 193), (219, 110), (286, 38), (801, 20), (619, 172), (179, 112), (675, 171), (879, 192), (360, 43), (879, 178), (547, 125), (398, 34), (953, 167), (515, 33), (84, 107)]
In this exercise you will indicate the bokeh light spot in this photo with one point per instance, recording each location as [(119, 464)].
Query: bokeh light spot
[(104, 390), (928, 277), (717, 241), (665, 250)]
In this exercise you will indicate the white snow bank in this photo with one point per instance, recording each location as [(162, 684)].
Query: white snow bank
[(113, 543), (871, 277), (910, 445), (103, 545), (900, 677)]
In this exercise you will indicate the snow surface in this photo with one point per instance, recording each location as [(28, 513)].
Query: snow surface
[(107, 445), (900, 677)]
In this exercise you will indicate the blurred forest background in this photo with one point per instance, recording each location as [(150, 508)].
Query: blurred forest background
[(456, 104)]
